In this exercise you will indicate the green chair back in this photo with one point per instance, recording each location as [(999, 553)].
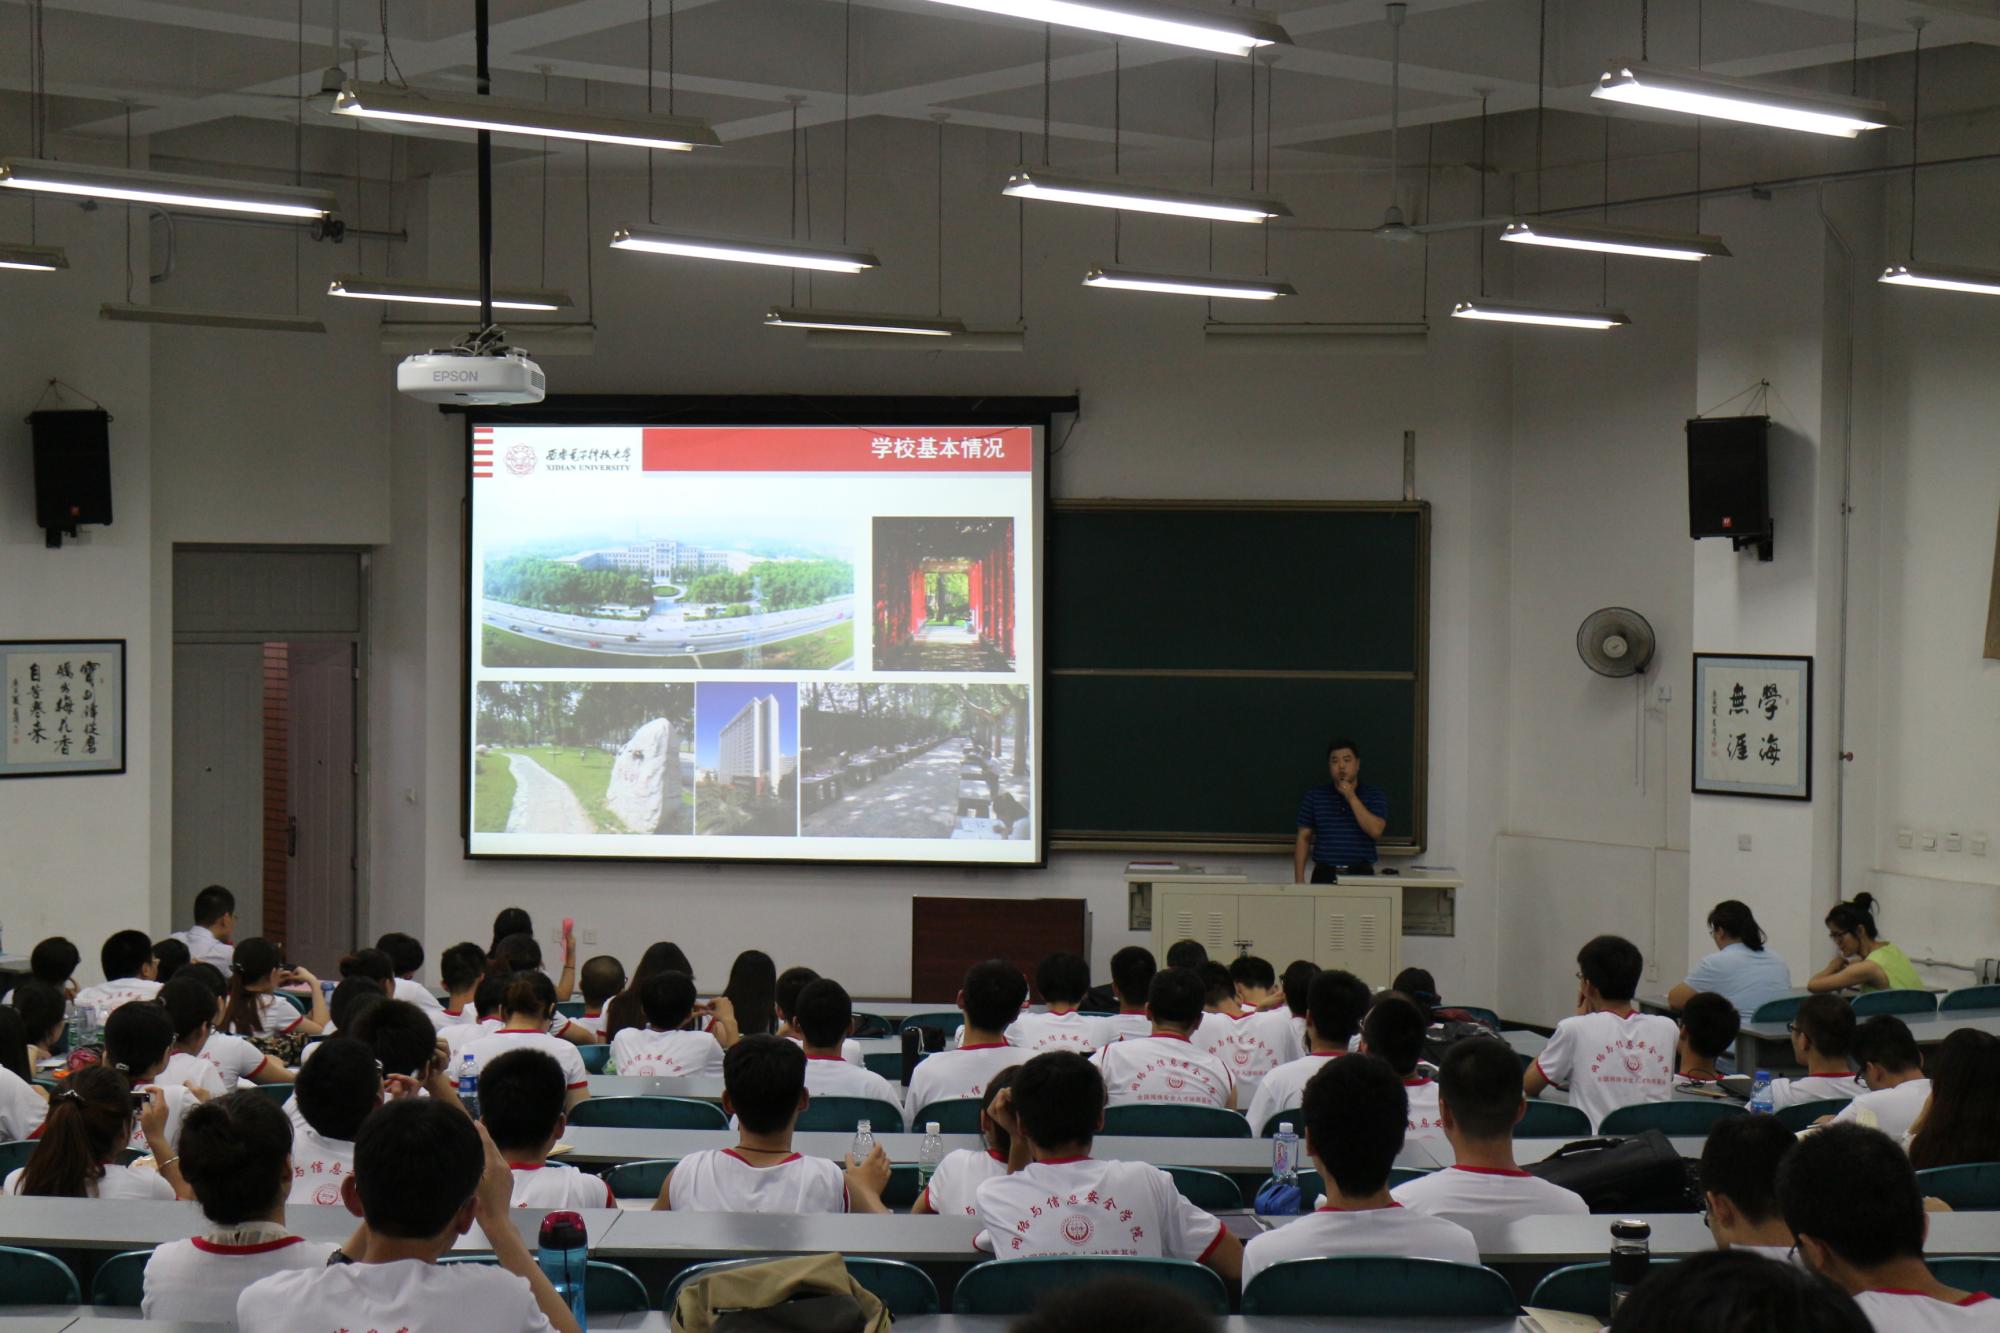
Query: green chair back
[(944, 1020), (1579, 1289), (889, 1064), (275, 1093), (648, 1113), (1781, 1010), (608, 1288), (1552, 1120), (1295, 1116), (1403, 1175), (1016, 1286), (1972, 1186), (299, 1002), (1869, 1003), (29, 1277), (594, 1057), (841, 1113), (571, 1008), (1796, 1118), (640, 1180), (903, 1187), (955, 1115), (1670, 1118), (1311, 1186), (14, 1155), (1378, 1287), (1194, 1122), (121, 1280), (1206, 1189), (1971, 997), (1972, 1272), (905, 1288), (868, 1027)]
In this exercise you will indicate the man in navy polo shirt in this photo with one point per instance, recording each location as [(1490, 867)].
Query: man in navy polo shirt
[(1338, 823)]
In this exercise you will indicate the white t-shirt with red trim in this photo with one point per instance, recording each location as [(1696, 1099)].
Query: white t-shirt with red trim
[(1895, 1109), (1330, 1231), (460, 1035), (179, 1102), (592, 1024), (22, 1107), (1426, 1120), (1284, 1089), (412, 991), (1914, 1312), (958, 1177), (1133, 1023), (117, 1182), (555, 1185), (1036, 1033), (1082, 1205), (184, 1070), (407, 1296), (108, 995), (199, 1280), (1163, 1070), (1251, 1045), (1608, 1060), (644, 1053), (273, 1017), (831, 1076), (503, 1040), (1462, 1194), (1815, 1088), (722, 1180), (948, 1075), (319, 1164), (850, 1050), (238, 1060)]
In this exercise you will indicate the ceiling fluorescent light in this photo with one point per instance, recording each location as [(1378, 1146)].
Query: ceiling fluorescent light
[(509, 115), (1189, 284), (1513, 312), (1634, 241), (1225, 31), (1981, 282), (860, 321), (778, 254), (432, 293), (33, 258), (159, 187), (973, 340), (1354, 339), (1035, 183), (1697, 93), (209, 319)]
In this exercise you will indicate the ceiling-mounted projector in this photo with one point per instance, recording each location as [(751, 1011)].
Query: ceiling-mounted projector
[(461, 375)]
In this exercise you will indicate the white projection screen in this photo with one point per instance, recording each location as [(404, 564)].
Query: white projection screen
[(796, 642)]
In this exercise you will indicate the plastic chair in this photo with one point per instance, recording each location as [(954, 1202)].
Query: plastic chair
[(944, 1020), (648, 1113), (1552, 1120), (1204, 1188), (276, 1093), (1969, 1272), (1670, 1118), (1193, 1122), (1580, 1289), (904, 1186), (14, 1155), (1372, 1286), (121, 1279), (1971, 997), (955, 1115), (1796, 1118), (1294, 1115), (594, 1058), (571, 1008), (868, 1027), (1971, 1186), (889, 1064), (1016, 1286), (299, 1002), (841, 1113), (608, 1288), (640, 1180), (1781, 1010), (1869, 1003), (1403, 1175), (29, 1277)]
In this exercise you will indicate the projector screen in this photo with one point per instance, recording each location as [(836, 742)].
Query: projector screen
[(752, 642)]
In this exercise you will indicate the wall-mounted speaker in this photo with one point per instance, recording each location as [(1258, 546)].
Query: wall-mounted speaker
[(1729, 488), (72, 470)]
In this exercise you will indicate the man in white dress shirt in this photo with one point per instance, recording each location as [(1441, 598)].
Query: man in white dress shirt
[(1739, 1184), (1893, 1069), (211, 938)]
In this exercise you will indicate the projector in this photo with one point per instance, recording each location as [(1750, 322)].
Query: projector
[(505, 375)]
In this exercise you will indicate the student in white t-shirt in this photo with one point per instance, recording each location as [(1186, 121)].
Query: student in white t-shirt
[(1296, 981), (43, 1022), (1609, 1054), (1708, 1027), (825, 1015), (990, 998), (461, 968), (1394, 1030), (1739, 1184), (600, 979), (236, 1155), (527, 1006), (1356, 1115), (87, 1129), (23, 1106), (482, 1019), (137, 1040), (1822, 1036), (1219, 1010), (336, 1091), (1734, 1290), (764, 1089), (1132, 969), (256, 971), (958, 1177), (190, 1007), (1336, 1002), (665, 1047), (423, 1174), (209, 939), (127, 960), (1166, 1068), (521, 1105), (1059, 1200), (1260, 1037), (236, 1060), (1063, 979), (1893, 1068), (785, 1001), (406, 956), (1479, 1085), (1851, 1197)]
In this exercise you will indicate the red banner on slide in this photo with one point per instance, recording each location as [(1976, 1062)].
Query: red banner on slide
[(837, 449)]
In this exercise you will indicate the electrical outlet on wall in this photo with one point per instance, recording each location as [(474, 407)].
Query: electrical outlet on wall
[(1927, 841), (1953, 842), (1652, 970), (1905, 839), (590, 938), (1743, 842), (1978, 844)]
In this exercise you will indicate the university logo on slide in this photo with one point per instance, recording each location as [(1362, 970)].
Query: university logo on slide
[(1076, 1230), (521, 459)]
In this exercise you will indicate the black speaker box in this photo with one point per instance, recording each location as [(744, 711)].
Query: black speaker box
[(1729, 490), (72, 470)]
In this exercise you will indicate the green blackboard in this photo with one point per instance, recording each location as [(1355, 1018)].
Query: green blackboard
[(1200, 656)]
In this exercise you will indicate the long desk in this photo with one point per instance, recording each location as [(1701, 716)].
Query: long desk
[(85, 1319), (1768, 1045)]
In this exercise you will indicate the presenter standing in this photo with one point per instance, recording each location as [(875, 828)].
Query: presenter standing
[(1339, 822)]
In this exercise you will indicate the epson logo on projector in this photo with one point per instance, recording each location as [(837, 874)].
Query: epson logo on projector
[(455, 376)]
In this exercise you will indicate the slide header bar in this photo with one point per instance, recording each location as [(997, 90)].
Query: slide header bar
[(838, 449)]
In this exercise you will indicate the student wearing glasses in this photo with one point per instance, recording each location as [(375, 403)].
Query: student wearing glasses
[(1864, 959)]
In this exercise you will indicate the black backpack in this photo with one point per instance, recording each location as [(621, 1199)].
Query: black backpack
[(1639, 1174), (1446, 1030)]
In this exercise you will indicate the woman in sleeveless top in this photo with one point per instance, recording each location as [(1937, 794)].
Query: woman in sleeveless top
[(1863, 958)]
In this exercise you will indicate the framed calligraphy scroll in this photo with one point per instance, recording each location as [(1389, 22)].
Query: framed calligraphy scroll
[(1753, 726), (65, 707)]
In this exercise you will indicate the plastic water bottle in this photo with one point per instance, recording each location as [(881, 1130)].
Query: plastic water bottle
[(1285, 1154), (468, 1086), (929, 1153), (864, 1141), (1631, 1255), (72, 1030), (563, 1252), (1760, 1093)]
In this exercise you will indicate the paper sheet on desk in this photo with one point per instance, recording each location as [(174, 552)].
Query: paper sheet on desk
[(1557, 1321)]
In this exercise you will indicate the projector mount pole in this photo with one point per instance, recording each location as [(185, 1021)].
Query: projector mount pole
[(480, 36)]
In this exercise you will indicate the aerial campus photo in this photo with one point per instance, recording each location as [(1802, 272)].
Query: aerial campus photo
[(563, 757), (915, 761)]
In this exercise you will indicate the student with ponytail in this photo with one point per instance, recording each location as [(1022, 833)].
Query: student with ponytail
[(254, 1011), (1741, 970), (90, 1121), (527, 1006), (1864, 959)]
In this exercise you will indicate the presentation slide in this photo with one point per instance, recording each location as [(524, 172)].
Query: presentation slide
[(805, 643)]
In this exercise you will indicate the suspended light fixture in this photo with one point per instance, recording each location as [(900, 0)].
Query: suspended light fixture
[(1039, 183), (1559, 317), (1189, 284), (164, 188), (859, 321), (1636, 241), (1698, 93), (433, 293), (1224, 31), (1982, 282), (509, 115), (33, 258), (208, 319), (736, 250)]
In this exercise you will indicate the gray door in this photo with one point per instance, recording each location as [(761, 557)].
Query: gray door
[(219, 778), (320, 899)]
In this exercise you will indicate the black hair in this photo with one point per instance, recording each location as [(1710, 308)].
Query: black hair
[(1422, 989), (234, 1150), (14, 1044), (125, 954), (416, 1162), (209, 975), (89, 1121), (999, 1140), (169, 956), (353, 997), (338, 1087), (1711, 1023), (1479, 1079), (1297, 980), (530, 993), (626, 1009), (1737, 921), (1356, 1114), (1215, 983), (1885, 1040), (994, 992), (824, 1014), (1342, 743), (1828, 1022), (1854, 917), (1962, 1123), (1336, 1004), (42, 1007), (600, 978), (373, 964), (1852, 1189), (1740, 1162), (137, 1036), (791, 981), (521, 1099), (212, 904), (54, 961), (1733, 1291), (461, 966), (1059, 1099), (1186, 953), (752, 991), (189, 1004), (401, 1035), (668, 1000), (1116, 1302), (1613, 964), (406, 952), (510, 921), (516, 953), (1063, 978), (764, 1077), (1394, 1032), (1250, 970), (489, 996), (253, 960), (1132, 969), (1175, 997)]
